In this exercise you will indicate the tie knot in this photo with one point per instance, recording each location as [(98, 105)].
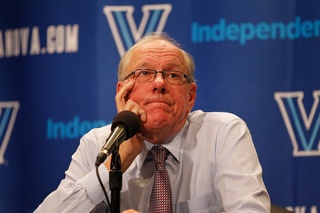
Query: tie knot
[(158, 154)]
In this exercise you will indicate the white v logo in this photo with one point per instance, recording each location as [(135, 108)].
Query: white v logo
[(8, 113), (303, 130), (124, 29)]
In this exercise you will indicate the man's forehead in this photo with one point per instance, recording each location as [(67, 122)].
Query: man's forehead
[(156, 48), (151, 54), (155, 52)]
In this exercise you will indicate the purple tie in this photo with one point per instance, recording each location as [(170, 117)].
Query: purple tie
[(160, 200)]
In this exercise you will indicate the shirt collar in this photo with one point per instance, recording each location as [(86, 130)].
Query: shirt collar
[(173, 144)]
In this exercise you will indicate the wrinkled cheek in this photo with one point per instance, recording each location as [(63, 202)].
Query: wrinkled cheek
[(137, 93)]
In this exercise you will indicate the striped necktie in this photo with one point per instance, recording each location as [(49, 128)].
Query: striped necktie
[(160, 200)]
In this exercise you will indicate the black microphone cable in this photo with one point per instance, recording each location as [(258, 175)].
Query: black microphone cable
[(108, 206)]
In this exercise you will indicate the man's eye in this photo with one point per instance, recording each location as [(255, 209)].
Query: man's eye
[(145, 73), (173, 75)]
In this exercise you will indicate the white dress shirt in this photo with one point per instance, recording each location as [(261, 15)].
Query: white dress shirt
[(213, 167)]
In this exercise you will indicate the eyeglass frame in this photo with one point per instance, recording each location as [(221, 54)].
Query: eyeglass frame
[(189, 79)]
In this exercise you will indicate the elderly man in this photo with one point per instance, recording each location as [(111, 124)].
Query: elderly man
[(209, 162)]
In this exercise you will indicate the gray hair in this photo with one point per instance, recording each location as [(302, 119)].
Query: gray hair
[(189, 62)]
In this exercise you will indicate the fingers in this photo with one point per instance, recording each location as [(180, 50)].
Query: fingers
[(121, 97), (124, 103), (134, 107)]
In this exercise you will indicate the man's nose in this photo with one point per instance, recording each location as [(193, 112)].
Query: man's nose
[(159, 83)]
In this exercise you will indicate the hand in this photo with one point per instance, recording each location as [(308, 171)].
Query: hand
[(130, 148), (124, 103)]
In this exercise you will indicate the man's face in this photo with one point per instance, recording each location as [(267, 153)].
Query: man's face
[(166, 105)]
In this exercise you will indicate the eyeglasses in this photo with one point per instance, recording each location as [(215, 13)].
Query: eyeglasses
[(148, 75)]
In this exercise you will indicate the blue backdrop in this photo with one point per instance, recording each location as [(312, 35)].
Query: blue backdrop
[(58, 64)]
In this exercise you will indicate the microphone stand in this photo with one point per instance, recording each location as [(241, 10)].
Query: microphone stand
[(115, 184)]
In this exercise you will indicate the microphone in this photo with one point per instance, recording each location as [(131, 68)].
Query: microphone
[(124, 125)]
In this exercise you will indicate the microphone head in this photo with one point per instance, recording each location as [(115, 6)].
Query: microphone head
[(129, 120)]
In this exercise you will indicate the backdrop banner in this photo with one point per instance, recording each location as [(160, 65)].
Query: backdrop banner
[(58, 71)]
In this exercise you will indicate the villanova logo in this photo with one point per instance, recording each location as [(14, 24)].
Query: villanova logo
[(124, 30), (303, 129), (8, 113)]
